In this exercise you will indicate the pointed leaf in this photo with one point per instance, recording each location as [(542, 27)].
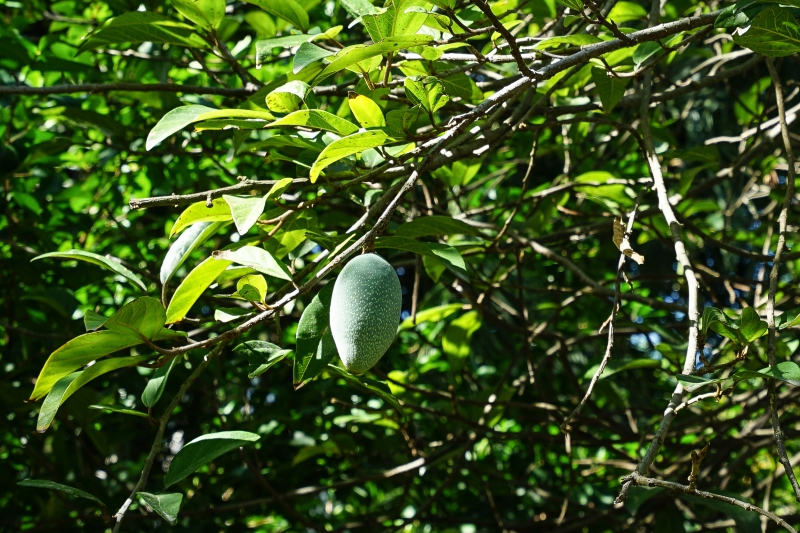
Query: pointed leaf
[(143, 26), (43, 484), (316, 119), (261, 356), (379, 388), (245, 210), (180, 117), (288, 97), (76, 353), (93, 321), (442, 252), (346, 146), (774, 32), (258, 259), (183, 247), (193, 286), (99, 260), (155, 386), (113, 409), (610, 88), (143, 317), (203, 450), (751, 326), (200, 212), (288, 10), (205, 13), (312, 328), (68, 385), (252, 287), (359, 52), (366, 111), (166, 505), (308, 53)]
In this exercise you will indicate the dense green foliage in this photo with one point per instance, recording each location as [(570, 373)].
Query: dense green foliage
[(184, 180)]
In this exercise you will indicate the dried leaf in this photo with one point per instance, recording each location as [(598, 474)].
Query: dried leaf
[(622, 243)]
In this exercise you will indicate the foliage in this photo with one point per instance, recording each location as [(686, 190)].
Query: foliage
[(184, 180)]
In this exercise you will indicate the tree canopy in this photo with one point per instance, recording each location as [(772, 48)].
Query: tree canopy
[(589, 204)]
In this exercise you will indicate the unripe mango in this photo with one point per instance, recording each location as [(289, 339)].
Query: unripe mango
[(365, 311)]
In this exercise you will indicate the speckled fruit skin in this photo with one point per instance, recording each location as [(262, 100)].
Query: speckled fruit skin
[(365, 311)]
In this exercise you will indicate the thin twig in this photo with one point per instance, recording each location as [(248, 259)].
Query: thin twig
[(683, 259), (638, 479), (773, 279), (162, 425)]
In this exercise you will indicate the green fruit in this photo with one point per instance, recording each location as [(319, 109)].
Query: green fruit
[(365, 311)]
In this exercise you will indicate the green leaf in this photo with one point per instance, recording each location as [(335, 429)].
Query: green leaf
[(457, 337), (346, 146), (359, 52), (610, 88), (143, 26), (358, 8), (279, 187), (579, 39), (575, 5), (264, 47), (433, 314), (460, 85), (261, 356), (143, 317), (435, 225), (183, 247), (230, 314), (205, 13), (200, 212), (76, 353), (288, 97), (245, 210), (787, 371), (433, 268), (203, 450), (427, 92), (788, 319), (751, 326), (443, 252), (316, 119), (166, 505), (193, 286), (366, 111), (180, 117), (256, 258), (626, 11), (43, 484), (738, 15), (307, 54), (156, 384), (711, 315), (252, 287), (68, 385), (288, 10), (399, 18), (107, 261), (313, 352), (379, 388), (112, 409), (645, 51), (92, 320), (774, 32)]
